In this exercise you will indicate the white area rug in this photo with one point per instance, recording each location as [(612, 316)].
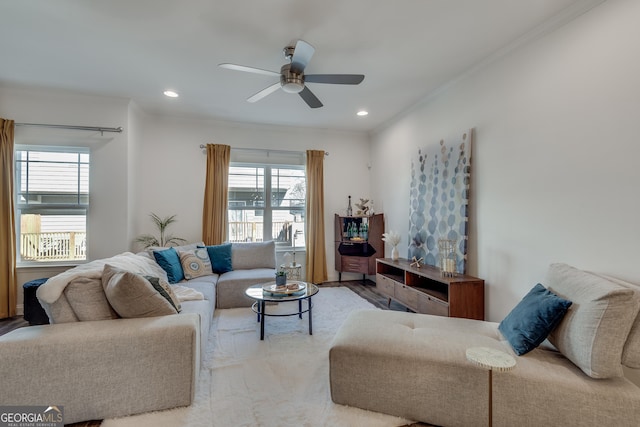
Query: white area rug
[(281, 381)]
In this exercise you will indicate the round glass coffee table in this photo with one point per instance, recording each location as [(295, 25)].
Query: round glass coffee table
[(266, 292)]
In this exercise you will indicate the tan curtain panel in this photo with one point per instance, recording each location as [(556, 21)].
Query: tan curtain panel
[(316, 254), (216, 195), (8, 286)]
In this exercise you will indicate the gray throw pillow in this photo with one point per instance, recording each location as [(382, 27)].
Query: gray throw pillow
[(131, 295)]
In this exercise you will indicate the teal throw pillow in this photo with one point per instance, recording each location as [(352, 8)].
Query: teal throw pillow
[(220, 256), (533, 319), (169, 260)]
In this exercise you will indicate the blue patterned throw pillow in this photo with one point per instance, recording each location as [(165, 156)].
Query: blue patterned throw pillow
[(195, 263)]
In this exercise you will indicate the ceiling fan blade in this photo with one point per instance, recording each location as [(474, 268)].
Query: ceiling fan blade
[(236, 67), (264, 92), (301, 56), (310, 98), (337, 79)]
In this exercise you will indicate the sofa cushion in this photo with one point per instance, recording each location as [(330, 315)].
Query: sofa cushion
[(131, 295), (594, 330), (547, 389), (245, 256), (231, 286), (169, 260), (195, 263), (413, 366), (88, 301), (531, 321), (220, 256), (59, 311)]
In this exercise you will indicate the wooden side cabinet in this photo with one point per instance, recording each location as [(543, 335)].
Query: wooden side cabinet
[(357, 251), (425, 290)]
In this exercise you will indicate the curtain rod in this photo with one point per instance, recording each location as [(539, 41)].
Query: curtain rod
[(100, 129), (264, 150)]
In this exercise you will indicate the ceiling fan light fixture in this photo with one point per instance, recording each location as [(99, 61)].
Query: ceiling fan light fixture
[(362, 113), (292, 86), (290, 81), (171, 93)]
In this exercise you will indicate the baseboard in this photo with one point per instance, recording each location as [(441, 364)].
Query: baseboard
[(20, 309)]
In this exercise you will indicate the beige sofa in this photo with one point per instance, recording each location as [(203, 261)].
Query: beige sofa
[(99, 366), (415, 366)]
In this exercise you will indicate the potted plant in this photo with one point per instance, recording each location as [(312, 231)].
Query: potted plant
[(161, 224), (281, 277)]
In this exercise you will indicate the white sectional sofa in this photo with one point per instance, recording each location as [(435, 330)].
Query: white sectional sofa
[(98, 365), (414, 366)]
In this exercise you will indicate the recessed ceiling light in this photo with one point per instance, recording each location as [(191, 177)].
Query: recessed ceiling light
[(362, 113), (171, 94)]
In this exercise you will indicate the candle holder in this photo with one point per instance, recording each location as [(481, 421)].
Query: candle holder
[(447, 254)]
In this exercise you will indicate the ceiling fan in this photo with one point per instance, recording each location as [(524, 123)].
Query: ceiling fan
[(292, 77)]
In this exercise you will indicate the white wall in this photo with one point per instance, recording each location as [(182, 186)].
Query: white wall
[(555, 171), (170, 168)]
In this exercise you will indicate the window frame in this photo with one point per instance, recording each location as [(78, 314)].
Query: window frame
[(267, 207), (79, 207)]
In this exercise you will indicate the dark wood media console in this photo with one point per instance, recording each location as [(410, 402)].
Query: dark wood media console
[(426, 290)]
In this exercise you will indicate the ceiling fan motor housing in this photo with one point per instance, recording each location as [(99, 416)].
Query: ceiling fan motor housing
[(291, 81)]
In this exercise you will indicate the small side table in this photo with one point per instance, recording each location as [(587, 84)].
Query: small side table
[(493, 360), (294, 271)]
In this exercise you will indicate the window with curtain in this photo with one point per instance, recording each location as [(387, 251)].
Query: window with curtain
[(52, 199), (267, 202)]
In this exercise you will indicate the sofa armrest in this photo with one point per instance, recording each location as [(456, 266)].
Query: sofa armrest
[(102, 369)]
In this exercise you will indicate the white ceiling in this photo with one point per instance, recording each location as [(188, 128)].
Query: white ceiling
[(138, 48)]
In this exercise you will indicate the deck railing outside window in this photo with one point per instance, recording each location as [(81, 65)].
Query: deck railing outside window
[(249, 231), (60, 246), (241, 231)]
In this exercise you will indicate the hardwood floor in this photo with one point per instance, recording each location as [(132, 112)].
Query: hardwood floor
[(8, 325), (366, 289)]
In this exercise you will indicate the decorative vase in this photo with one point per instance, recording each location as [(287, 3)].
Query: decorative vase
[(281, 280), (394, 253)]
